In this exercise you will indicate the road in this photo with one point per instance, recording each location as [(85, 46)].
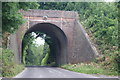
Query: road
[(50, 72)]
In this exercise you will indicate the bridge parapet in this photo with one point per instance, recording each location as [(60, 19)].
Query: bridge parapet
[(50, 13)]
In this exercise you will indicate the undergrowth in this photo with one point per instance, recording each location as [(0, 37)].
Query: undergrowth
[(9, 68), (89, 68)]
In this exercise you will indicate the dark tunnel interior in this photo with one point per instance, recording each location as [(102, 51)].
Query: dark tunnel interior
[(58, 48)]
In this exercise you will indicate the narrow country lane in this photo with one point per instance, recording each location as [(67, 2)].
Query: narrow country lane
[(50, 72)]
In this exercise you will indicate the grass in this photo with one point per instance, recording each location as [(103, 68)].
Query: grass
[(12, 71), (91, 68)]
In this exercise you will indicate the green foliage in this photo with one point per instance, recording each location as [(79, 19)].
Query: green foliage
[(70, 6), (28, 5), (11, 18), (34, 54), (27, 40), (7, 56), (102, 23), (9, 68), (52, 5), (52, 64), (44, 60), (28, 56), (91, 68)]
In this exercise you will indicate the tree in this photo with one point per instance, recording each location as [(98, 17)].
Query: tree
[(26, 43), (53, 5), (11, 18)]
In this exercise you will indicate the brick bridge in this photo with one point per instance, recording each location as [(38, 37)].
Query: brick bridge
[(72, 44)]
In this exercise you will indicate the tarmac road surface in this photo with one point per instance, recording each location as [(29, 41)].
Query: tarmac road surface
[(50, 72)]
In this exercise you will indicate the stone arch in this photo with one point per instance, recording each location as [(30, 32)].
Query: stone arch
[(59, 50)]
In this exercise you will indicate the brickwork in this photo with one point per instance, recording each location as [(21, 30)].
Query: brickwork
[(77, 49)]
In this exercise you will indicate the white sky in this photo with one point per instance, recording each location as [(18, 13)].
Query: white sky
[(39, 40), (109, 0)]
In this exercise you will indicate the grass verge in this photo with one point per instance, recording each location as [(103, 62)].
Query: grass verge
[(12, 71), (91, 68)]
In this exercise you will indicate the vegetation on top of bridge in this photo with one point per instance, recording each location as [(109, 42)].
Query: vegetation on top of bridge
[(99, 19)]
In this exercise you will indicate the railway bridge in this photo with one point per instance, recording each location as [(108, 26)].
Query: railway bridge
[(72, 44)]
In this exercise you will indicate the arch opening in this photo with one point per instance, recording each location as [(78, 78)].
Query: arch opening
[(58, 47)]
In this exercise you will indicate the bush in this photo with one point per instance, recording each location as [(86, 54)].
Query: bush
[(9, 68), (44, 61), (89, 68)]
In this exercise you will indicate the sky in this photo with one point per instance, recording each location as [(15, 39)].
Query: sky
[(39, 40), (109, 0)]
